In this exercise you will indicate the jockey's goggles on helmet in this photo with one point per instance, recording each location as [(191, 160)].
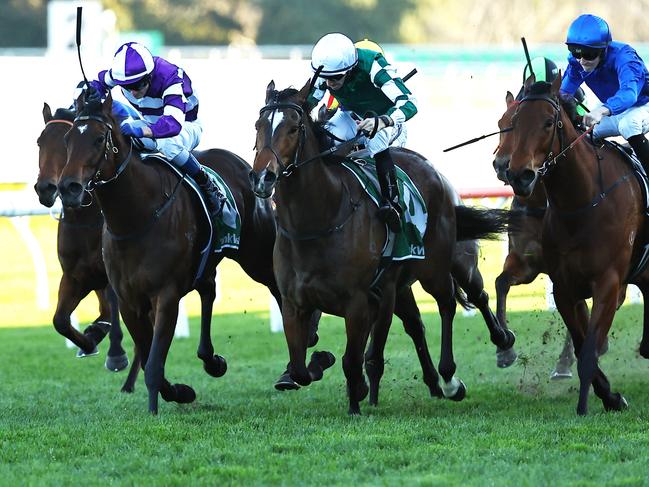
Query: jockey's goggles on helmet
[(588, 53), (138, 85), (335, 77)]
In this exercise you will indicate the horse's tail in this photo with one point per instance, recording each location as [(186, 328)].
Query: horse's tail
[(480, 223), (460, 297)]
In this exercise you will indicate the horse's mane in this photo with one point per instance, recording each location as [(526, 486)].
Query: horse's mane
[(64, 114), (568, 103)]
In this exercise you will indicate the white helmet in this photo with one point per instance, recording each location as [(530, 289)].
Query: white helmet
[(336, 54), (131, 63)]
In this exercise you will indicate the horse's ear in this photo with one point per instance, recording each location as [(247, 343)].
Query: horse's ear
[(304, 92), (528, 83), (80, 102), (556, 85), (47, 113), (107, 106), (509, 99), (270, 89)]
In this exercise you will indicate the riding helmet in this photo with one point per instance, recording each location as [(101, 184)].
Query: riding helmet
[(590, 31), (131, 63), (336, 54), (543, 68)]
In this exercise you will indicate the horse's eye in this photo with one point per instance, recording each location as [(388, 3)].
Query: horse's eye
[(548, 123), (293, 129), (100, 140)]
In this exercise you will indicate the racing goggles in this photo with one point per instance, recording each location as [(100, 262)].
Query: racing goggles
[(588, 53)]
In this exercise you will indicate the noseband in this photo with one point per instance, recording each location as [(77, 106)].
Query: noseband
[(109, 147)]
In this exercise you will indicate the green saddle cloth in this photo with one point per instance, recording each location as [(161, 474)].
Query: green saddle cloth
[(228, 226), (409, 244)]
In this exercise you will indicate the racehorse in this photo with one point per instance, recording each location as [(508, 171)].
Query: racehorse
[(154, 235), (593, 230), (329, 243), (524, 261), (79, 250)]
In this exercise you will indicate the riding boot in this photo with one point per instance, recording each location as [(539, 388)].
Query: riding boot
[(214, 199), (640, 146), (389, 210)]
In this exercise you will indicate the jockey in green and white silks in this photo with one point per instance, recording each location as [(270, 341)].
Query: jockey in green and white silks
[(373, 99)]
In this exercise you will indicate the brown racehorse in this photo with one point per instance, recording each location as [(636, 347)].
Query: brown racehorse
[(153, 238), (329, 245), (593, 230), (524, 261), (79, 250)]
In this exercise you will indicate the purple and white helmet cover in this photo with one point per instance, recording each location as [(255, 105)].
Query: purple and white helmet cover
[(131, 62)]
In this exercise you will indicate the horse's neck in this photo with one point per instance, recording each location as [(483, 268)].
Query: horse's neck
[(574, 181), (310, 199), (127, 201)]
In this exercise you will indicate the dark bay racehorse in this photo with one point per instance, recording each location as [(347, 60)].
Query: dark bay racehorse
[(154, 235), (78, 248), (593, 230), (524, 261), (329, 245)]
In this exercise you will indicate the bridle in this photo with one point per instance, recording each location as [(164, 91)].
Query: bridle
[(109, 147)]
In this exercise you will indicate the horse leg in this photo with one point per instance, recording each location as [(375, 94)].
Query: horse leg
[(644, 342), (357, 328), (129, 383), (452, 387), (406, 310), (70, 295), (116, 358), (214, 365), (605, 297), (296, 334), (566, 358), (374, 359), (166, 315)]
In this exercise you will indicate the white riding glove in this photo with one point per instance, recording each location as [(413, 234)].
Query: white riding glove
[(595, 116), (373, 125)]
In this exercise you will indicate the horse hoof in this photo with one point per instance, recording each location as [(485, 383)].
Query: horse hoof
[(184, 394), (354, 410), (215, 366), (323, 359), (313, 340), (117, 363), (127, 389), (436, 391), (505, 358), (618, 403), (82, 354), (459, 394), (361, 392), (285, 383), (561, 374)]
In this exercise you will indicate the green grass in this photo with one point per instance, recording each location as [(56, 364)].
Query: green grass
[(63, 420)]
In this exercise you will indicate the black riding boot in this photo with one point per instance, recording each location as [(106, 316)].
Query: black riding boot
[(389, 210), (640, 146), (213, 196)]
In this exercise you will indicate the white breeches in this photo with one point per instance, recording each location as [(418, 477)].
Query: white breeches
[(634, 121), (343, 126)]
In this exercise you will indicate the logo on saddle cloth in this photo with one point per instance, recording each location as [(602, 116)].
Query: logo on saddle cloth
[(228, 226), (409, 244)]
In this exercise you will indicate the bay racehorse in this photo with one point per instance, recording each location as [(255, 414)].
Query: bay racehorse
[(78, 250), (154, 235), (594, 227), (524, 261), (329, 243)]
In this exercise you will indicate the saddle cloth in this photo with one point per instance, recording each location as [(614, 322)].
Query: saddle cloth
[(409, 243)]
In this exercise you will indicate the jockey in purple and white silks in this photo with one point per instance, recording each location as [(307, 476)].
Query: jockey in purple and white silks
[(374, 99), (162, 93)]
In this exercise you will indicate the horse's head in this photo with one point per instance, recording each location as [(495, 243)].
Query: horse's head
[(536, 134), (280, 136), (92, 144), (504, 150), (51, 153)]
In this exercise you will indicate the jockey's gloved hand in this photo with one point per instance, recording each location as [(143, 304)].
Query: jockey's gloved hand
[(92, 94), (374, 124), (131, 129), (595, 116)]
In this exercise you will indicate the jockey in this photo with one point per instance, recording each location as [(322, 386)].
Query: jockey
[(616, 75), (374, 100), (162, 93)]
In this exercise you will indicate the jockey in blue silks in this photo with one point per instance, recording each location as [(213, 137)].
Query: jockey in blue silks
[(162, 93), (616, 75)]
